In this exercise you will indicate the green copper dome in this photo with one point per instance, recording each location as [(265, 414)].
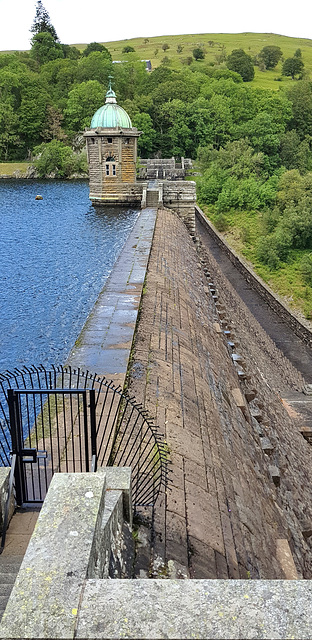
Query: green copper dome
[(111, 114)]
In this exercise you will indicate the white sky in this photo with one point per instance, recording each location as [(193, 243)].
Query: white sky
[(78, 21)]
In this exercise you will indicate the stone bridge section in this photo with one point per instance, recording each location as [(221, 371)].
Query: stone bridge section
[(104, 344)]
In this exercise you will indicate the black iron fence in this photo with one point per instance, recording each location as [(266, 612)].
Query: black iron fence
[(67, 420)]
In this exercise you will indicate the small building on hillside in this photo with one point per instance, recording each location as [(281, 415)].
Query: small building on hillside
[(112, 155)]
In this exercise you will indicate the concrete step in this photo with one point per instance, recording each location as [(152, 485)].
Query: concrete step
[(9, 568)]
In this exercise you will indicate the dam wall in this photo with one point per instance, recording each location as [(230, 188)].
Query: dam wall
[(272, 299)]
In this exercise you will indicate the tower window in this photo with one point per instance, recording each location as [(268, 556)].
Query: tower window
[(110, 140), (110, 169)]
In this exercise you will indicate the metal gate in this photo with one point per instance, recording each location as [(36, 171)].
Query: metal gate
[(65, 420)]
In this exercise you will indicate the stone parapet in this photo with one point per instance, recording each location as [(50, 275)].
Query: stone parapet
[(272, 299), (195, 609), (77, 534), (4, 488), (181, 197)]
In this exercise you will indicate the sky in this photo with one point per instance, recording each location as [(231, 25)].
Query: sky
[(78, 22)]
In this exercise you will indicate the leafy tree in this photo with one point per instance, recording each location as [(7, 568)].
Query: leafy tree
[(56, 158), (292, 67), (59, 75), (263, 133), (45, 48), (9, 138), (300, 95), (70, 52), (147, 140), (42, 22), (165, 46), (180, 48), (53, 129), (96, 66), (96, 46), (198, 53), (130, 79), (82, 103), (32, 113), (295, 153), (226, 74), (241, 62), (128, 49), (270, 56)]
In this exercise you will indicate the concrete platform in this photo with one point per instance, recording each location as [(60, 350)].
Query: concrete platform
[(104, 344)]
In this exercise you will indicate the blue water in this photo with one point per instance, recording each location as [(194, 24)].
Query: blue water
[(55, 256)]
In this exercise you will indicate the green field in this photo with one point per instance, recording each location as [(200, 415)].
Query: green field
[(214, 44), (8, 168), (252, 43)]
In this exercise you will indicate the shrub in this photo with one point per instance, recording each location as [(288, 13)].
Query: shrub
[(58, 159), (306, 268)]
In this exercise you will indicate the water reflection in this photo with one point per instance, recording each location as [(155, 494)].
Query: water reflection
[(55, 257)]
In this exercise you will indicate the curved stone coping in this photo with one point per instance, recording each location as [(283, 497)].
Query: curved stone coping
[(272, 299), (105, 341)]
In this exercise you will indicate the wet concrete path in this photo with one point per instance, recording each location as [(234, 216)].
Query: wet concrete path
[(104, 344), (299, 354)]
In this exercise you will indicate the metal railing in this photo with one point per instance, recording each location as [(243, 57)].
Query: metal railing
[(67, 420)]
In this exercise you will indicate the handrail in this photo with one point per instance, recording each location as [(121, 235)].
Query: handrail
[(7, 506)]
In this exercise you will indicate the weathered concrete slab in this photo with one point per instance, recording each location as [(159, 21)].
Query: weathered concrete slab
[(105, 341), (225, 609), (45, 598)]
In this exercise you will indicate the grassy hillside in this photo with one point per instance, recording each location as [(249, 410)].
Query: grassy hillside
[(214, 45)]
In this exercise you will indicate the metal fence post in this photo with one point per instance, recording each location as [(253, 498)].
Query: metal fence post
[(15, 427), (93, 428)]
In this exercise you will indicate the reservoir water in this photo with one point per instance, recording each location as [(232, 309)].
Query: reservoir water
[(55, 256)]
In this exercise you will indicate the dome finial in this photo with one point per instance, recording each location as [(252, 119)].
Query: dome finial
[(110, 94)]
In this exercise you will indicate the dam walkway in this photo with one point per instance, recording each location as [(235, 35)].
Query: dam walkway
[(223, 515)]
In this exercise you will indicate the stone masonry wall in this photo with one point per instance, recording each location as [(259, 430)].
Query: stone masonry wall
[(272, 300), (241, 471)]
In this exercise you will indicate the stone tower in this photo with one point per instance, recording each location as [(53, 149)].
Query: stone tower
[(112, 155)]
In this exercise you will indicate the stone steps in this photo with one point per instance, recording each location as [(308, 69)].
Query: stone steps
[(152, 198), (9, 568)]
